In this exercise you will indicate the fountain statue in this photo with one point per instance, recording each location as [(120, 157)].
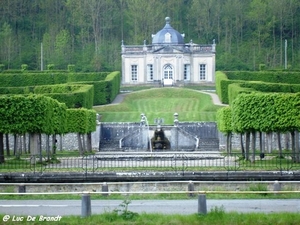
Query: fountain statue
[(159, 140)]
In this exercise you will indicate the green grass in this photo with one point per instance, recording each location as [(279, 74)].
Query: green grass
[(161, 103), (216, 216)]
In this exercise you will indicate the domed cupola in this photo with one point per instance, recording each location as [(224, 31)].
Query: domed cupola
[(167, 35)]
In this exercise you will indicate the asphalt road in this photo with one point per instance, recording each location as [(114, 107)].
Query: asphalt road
[(15, 208)]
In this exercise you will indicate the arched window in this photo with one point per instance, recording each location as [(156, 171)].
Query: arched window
[(168, 72)]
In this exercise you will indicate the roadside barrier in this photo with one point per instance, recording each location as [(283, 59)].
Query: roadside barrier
[(86, 209)]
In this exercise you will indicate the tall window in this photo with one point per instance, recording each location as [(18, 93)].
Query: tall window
[(202, 70), (168, 72), (133, 72), (150, 71), (187, 72)]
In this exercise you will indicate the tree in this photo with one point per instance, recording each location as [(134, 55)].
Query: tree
[(6, 43), (34, 115), (268, 113), (62, 49), (144, 18), (224, 122)]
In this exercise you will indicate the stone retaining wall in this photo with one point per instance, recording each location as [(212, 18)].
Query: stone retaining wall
[(153, 186)]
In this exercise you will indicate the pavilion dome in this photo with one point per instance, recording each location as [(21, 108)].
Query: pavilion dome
[(168, 35)]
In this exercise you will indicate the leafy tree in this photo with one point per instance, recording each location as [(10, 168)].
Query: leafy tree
[(62, 49), (266, 113), (224, 122), (6, 44)]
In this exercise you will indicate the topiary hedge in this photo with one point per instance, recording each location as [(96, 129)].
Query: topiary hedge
[(81, 121), (289, 77), (113, 85), (272, 112), (259, 81), (106, 86), (224, 120), (31, 114), (74, 96)]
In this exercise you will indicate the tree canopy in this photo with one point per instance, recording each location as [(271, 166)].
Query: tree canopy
[(88, 33)]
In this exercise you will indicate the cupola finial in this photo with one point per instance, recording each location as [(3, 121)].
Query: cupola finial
[(167, 20)]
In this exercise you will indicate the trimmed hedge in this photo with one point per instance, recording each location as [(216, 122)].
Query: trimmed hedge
[(113, 85), (246, 87), (272, 87), (224, 120), (41, 114), (235, 89), (91, 121), (256, 81), (31, 114), (81, 121), (77, 77), (275, 112), (74, 96), (289, 77), (106, 86), (15, 90), (222, 83), (32, 79), (220, 76), (105, 91)]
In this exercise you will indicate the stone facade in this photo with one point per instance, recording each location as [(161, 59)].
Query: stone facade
[(168, 60)]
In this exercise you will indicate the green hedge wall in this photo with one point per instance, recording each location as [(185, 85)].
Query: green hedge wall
[(100, 91), (246, 80), (105, 91), (31, 114), (235, 89), (81, 121), (246, 87), (74, 96), (271, 87), (77, 77), (265, 76), (220, 76), (41, 114), (91, 121), (15, 90), (106, 86), (224, 120), (32, 79), (113, 85), (273, 112), (222, 83)]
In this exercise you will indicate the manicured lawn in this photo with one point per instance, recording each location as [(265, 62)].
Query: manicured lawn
[(161, 103)]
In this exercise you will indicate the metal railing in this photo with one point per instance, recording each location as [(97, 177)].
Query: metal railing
[(155, 161)]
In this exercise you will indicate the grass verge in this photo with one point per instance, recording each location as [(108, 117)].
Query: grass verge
[(215, 216)]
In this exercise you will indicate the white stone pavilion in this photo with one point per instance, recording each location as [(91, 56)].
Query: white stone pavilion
[(168, 60)]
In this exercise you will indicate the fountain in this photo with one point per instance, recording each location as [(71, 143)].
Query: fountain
[(142, 137), (144, 121), (159, 140)]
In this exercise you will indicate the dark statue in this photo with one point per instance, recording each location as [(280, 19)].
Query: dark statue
[(159, 141)]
